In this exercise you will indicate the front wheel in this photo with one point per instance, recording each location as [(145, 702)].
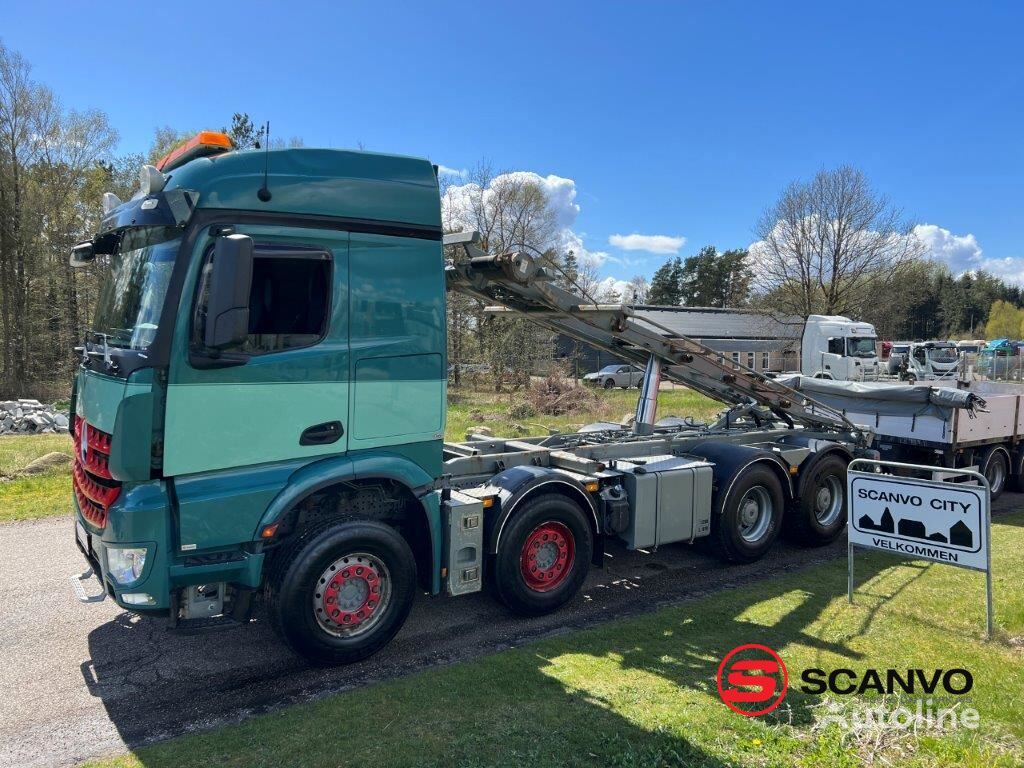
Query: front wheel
[(343, 595), (609, 383), (749, 518), (543, 555)]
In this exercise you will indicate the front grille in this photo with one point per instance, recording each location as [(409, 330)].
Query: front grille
[(94, 488)]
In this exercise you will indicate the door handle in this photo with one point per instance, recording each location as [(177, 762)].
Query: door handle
[(322, 434)]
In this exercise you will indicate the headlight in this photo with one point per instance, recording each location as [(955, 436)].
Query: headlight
[(125, 564)]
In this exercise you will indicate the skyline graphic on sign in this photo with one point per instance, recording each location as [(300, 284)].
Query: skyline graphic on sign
[(958, 535)]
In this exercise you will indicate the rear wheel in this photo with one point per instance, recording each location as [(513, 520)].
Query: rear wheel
[(750, 516), (1017, 472), (543, 555), (995, 466), (343, 594), (819, 516)]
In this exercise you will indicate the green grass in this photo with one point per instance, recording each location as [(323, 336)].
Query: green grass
[(472, 408), (641, 692), (30, 498), (43, 495), (17, 451)]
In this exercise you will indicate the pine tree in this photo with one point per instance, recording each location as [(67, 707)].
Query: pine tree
[(665, 285)]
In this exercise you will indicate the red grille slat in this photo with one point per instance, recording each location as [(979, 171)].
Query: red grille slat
[(94, 498)]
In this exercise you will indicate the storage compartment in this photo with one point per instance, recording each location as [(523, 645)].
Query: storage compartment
[(669, 499), (464, 543)]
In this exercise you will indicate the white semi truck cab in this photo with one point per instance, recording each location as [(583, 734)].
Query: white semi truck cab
[(835, 347)]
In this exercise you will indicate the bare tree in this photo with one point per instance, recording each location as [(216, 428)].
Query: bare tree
[(511, 212), (827, 245), (638, 289)]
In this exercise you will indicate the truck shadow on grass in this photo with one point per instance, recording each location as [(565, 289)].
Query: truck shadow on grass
[(155, 685)]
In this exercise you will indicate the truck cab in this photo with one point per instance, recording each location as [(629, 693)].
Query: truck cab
[(835, 347), (933, 360)]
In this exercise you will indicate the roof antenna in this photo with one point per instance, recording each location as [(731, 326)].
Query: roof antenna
[(264, 192)]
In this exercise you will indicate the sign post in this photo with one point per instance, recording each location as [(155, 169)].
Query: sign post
[(933, 520)]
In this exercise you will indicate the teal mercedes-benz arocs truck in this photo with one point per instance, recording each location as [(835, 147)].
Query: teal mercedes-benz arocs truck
[(259, 413)]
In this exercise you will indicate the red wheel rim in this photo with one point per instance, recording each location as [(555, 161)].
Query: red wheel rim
[(352, 594), (547, 557)]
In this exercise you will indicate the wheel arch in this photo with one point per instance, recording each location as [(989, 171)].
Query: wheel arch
[(404, 477), (517, 484), (812, 461), (730, 461)]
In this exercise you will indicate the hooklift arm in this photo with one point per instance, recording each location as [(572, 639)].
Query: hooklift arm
[(520, 285)]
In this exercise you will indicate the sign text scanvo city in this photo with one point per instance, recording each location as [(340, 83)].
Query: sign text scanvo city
[(944, 522)]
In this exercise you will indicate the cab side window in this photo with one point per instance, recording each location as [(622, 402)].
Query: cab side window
[(289, 300)]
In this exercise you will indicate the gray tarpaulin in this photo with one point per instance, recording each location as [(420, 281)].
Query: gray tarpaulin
[(884, 398)]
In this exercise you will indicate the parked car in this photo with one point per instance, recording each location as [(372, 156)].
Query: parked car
[(624, 376)]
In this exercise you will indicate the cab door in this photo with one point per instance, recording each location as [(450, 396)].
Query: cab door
[(233, 434)]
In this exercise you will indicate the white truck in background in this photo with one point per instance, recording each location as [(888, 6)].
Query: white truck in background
[(839, 348), (819, 346)]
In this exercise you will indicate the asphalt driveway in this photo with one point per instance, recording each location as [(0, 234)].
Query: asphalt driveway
[(81, 680)]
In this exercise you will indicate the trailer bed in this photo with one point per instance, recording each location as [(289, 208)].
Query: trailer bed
[(943, 417)]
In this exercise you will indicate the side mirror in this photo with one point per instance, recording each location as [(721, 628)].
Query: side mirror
[(82, 255), (227, 306)]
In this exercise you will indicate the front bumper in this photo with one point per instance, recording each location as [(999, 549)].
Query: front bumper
[(141, 518)]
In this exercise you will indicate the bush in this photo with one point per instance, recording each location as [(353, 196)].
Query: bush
[(523, 410), (557, 395)]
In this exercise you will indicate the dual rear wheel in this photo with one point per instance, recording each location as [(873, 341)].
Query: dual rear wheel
[(752, 514)]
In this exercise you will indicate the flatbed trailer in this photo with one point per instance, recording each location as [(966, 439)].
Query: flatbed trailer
[(977, 425)]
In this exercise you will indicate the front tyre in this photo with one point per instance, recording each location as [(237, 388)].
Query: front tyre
[(543, 556), (609, 383), (343, 595), (749, 518), (819, 516)]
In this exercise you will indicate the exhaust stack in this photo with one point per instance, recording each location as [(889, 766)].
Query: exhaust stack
[(647, 405)]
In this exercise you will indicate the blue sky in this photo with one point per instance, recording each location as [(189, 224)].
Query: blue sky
[(682, 120)]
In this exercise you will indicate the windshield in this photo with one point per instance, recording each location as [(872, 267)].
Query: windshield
[(610, 369), (131, 299), (943, 354), (860, 347)]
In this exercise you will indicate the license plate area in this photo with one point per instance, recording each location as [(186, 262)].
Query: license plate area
[(83, 537)]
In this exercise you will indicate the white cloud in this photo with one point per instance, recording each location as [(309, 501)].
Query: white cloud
[(444, 170), (613, 285), (571, 241), (649, 243), (963, 253), (561, 198), (560, 194)]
